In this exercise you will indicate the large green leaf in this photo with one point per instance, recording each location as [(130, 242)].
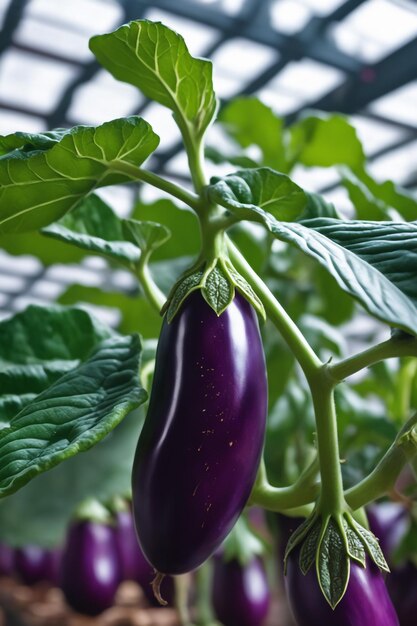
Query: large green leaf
[(252, 123), (374, 200), (74, 381), (324, 141), (94, 226), (156, 60), (37, 188), (136, 313), (390, 247), (39, 513), (381, 283), (261, 187)]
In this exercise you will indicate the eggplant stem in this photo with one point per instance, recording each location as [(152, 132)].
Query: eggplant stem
[(156, 588)]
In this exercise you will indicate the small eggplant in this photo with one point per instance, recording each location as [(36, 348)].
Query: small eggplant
[(241, 594), (90, 567), (389, 522), (200, 447), (365, 603), (133, 563), (6, 560), (32, 564)]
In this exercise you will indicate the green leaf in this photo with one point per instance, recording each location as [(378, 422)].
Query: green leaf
[(25, 144), (39, 188), (389, 247), (356, 548), (147, 235), (94, 226), (52, 498), (380, 197), (49, 252), (182, 224), (137, 315), (189, 283), (155, 59), (362, 265), (325, 141), (262, 188), (242, 544), (87, 377), (309, 548), (217, 290), (251, 123), (372, 546), (317, 206), (333, 565)]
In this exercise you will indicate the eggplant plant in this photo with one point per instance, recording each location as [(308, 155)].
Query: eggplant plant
[(247, 245)]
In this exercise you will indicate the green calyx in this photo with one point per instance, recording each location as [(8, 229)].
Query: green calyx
[(91, 510), (217, 281), (331, 542), (243, 544)]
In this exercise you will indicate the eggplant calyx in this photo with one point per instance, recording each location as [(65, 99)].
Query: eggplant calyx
[(330, 542), (91, 510), (217, 280), (156, 588)]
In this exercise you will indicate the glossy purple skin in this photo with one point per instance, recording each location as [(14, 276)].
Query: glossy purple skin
[(240, 593), (134, 565), (389, 522), (365, 603), (402, 587), (32, 564), (90, 568), (6, 560), (200, 447)]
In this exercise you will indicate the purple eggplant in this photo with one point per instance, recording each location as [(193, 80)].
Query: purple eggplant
[(389, 522), (133, 563), (6, 560), (402, 587), (200, 447), (240, 592), (32, 564), (365, 603), (90, 567)]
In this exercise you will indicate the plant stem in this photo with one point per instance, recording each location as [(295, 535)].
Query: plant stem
[(331, 498), (155, 296), (182, 586), (136, 173), (383, 477), (394, 347), (280, 499), (204, 583), (303, 352)]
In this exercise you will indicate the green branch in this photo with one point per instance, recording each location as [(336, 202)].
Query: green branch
[(382, 479), (136, 173), (155, 296), (394, 347)]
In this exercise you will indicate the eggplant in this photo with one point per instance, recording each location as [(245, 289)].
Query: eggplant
[(199, 450), (365, 603), (91, 568), (402, 587), (389, 522), (134, 566), (240, 592), (32, 564), (6, 560)]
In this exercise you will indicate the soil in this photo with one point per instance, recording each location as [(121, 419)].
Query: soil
[(45, 606)]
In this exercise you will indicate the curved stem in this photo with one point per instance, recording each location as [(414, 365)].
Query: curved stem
[(394, 347), (204, 584), (281, 499), (136, 173), (182, 587), (303, 352), (155, 296), (382, 479)]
